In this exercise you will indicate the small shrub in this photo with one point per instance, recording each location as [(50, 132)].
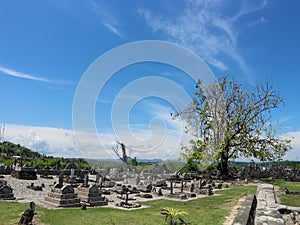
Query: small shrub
[(173, 216)]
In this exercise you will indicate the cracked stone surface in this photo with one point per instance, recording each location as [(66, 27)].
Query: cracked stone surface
[(267, 210)]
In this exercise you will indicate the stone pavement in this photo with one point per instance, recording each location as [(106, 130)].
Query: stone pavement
[(267, 209)]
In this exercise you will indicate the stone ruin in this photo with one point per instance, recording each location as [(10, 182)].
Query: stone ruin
[(6, 170), (273, 170), (63, 195), (6, 192), (23, 172), (90, 194)]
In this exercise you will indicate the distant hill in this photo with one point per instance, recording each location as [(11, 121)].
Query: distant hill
[(35, 159), (10, 149)]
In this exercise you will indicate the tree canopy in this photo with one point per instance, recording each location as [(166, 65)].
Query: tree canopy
[(227, 121)]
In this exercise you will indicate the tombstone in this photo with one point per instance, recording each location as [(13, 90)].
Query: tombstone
[(97, 178), (192, 187), (6, 192), (28, 215), (72, 173), (60, 180), (83, 207), (171, 187), (86, 180), (160, 192), (202, 183), (126, 198), (181, 187), (3, 182)]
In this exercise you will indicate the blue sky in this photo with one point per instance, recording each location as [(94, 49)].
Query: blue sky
[(46, 47)]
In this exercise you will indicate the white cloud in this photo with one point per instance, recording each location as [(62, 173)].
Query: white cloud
[(11, 72), (61, 142), (201, 27), (113, 29), (106, 17), (247, 9), (293, 154), (47, 140), (14, 73), (64, 143)]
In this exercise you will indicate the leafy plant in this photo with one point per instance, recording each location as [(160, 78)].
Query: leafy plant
[(173, 216)]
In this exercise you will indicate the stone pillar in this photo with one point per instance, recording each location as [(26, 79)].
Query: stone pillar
[(61, 179), (192, 187), (126, 198), (72, 173), (100, 183), (86, 180), (181, 188), (97, 178)]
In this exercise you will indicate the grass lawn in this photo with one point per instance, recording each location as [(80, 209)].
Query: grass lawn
[(290, 200), (208, 210)]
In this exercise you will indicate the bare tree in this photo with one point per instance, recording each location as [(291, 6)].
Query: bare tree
[(122, 157)]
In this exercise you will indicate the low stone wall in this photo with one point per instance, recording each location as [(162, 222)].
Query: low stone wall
[(267, 209), (246, 212)]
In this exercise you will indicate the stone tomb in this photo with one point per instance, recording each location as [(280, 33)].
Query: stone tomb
[(90, 193), (6, 192), (25, 173), (63, 195)]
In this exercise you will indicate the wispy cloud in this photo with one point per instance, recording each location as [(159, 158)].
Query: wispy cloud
[(203, 27), (112, 29), (14, 73), (106, 17), (247, 9)]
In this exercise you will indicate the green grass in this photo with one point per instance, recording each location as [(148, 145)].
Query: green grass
[(290, 200), (209, 210)]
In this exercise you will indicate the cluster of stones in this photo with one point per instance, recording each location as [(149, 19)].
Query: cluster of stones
[(124, 193), (6, 192), (273, 170)]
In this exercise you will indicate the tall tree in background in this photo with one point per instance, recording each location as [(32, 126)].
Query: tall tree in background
[(227, 121)]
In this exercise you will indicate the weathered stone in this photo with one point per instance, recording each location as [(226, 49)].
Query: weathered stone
[(24, 173), (267, 210), (246, 212), (6, 192), (28, 215), (63, 197), (91, 195)]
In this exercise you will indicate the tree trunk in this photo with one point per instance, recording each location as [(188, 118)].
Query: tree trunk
[(223, 164)]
